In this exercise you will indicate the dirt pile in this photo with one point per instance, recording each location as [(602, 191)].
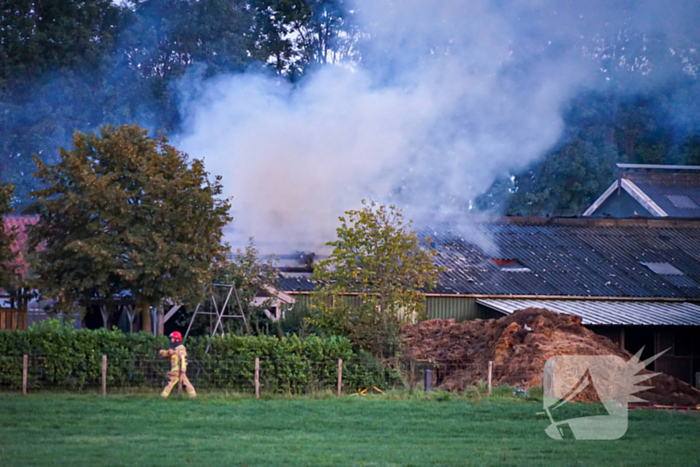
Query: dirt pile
[(519, 345)]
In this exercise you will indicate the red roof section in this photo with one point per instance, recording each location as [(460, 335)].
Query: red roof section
[(19, 225)]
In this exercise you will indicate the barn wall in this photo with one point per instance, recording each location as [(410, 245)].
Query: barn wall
[(621, 205), (614, 333), (302, 300), (682, 359), (457, 308)]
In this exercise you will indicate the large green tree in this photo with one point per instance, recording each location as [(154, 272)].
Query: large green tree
[(601, 129), (54, 35), (53, 58), (374, 280), (122, 211), (292, 35), (7, 237), (75, 65)]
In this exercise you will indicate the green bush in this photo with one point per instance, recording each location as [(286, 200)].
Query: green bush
[(63, 357)]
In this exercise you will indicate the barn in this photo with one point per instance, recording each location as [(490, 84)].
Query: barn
[(636, 281)]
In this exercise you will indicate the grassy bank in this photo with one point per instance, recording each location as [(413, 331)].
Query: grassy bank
[(72, 430)]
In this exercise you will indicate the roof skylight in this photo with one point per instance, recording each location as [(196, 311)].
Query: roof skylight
[(663, 269), (682, 202)]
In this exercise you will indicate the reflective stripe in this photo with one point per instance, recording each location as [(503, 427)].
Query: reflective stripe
[(174, 358)]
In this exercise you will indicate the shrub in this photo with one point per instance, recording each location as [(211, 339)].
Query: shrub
[(64, 357)]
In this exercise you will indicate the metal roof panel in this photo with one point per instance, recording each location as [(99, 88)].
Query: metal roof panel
[(599, 312)]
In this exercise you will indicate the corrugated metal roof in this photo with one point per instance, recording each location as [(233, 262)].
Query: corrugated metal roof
[(294, 284), (678, 194), (609, 312), (594, 260), (577, 257), (657, 167)]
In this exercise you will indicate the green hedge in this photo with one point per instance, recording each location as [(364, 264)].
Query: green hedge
[(63, 357)]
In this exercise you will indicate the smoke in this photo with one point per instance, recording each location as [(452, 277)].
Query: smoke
[(445, 97)]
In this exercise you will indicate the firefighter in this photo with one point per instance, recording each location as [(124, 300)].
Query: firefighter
[(178, 365)]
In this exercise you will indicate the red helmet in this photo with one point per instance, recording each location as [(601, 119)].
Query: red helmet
[(175, 336)]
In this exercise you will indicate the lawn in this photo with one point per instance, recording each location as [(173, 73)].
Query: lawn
[(143, 430)]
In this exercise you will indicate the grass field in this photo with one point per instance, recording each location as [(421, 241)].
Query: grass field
[(143, 430)]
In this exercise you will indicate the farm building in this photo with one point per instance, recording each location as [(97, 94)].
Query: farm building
[(636, 281), (651, 191)]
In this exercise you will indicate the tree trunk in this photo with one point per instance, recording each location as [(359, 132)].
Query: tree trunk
[(145, 317), (103, 312), (161, 318), (130, 315)]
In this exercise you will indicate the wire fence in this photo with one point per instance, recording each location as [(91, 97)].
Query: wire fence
[(294, 375)]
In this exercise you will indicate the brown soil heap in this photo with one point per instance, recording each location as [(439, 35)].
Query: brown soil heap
[(519, 345)]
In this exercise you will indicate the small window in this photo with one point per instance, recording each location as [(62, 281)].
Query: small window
[(682, 202)]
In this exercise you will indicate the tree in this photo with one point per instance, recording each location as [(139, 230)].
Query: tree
[(53, 55), (167, 38), (378, 259), (7, 238), (75, 65), (54, 35), (291, 35), (123, 211), (566, 182)]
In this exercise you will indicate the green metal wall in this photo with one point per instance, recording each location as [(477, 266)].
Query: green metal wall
[(302, 300), (457, 308)]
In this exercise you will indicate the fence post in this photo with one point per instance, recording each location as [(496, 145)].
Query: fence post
[(179, 375), (340, 377), (25, 365), (104, 375), (257, 377), (490, 374), (428, 385), (412, 376)]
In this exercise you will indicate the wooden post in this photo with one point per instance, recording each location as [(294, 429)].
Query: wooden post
[(340, 377), (257, 378), (25, 367), (179, 375), (622, 337), (160, 317), (490, 375), (104, 375), (548, 381), (412, 376), (13, 316)]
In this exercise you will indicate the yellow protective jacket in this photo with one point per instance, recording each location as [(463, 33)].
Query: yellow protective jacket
[(175, 354)]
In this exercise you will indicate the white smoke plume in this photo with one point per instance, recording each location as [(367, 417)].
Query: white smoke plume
[(447, 96)]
